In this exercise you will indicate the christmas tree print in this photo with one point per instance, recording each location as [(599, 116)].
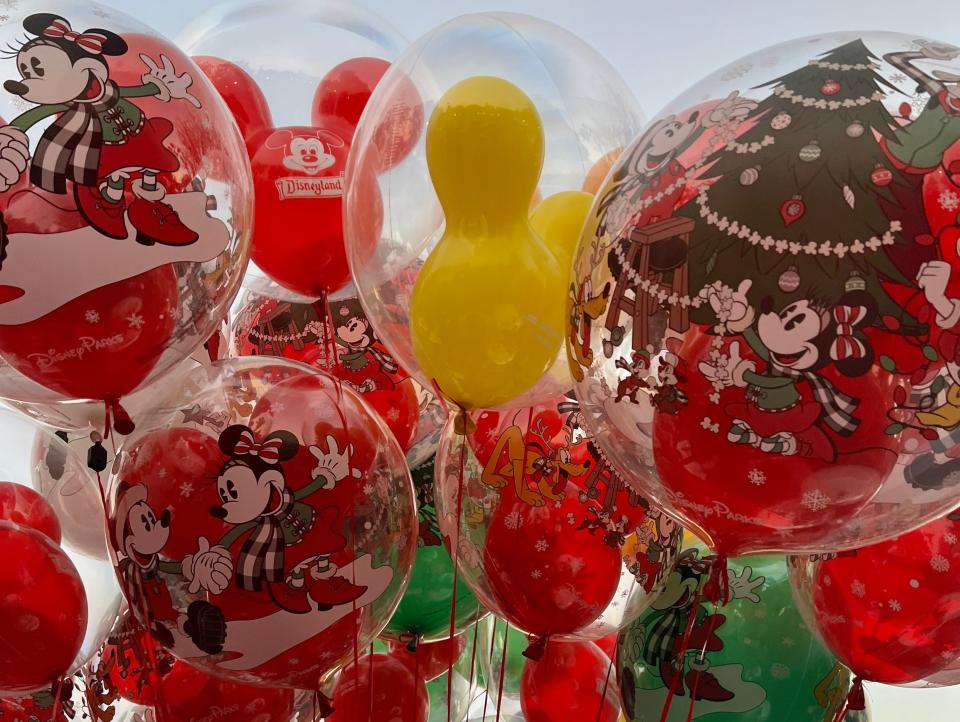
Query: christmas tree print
[(806, 202)]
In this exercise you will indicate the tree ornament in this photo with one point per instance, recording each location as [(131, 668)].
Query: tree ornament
[(810, 152), (849, 197), (855, 282), (831, 87), (789, 280), (781, 120), (881, 175), (750, 175), (855, 129), (792, 210)]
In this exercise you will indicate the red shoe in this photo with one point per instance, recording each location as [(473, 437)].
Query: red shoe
[(289, 598), (103, 215), (707, 686), (157, 222), (328, 593), (704, 634), (667, 673)]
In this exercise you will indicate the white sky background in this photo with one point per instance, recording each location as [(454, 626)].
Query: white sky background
[(661, 48)]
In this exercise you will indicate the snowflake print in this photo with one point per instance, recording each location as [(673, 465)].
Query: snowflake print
[(493, 435), (4, 19), (368, 489), (541, 545), (162, 473), (898, 78), (815, 500), (894, 605), (513, 520), (135, 320), (858, 589), (949, 200), (737, 71), (186, 489), (756, 477), (536, 574), (576, 565), (779, 671), (279, 406), (788, 642), (91, 316), (760, 613), (940, 563), (950, 538), (747, 641), (571, 519), (393, 415)]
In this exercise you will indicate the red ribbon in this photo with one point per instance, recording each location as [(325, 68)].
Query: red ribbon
[(91, 42), (269, 450)]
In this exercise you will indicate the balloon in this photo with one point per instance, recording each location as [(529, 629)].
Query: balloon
[(901, 594), (380, 687), (597, 173), (301, 331), (760, 332), (609, 645), (125, 228), (22, 506), (263, 515), (753, 659), (137, 668), (494, 634), (424, 611), (550, 538), (240, 92), (573, 680), (558, 220), (431, 659), (460, 289), (44, 610)]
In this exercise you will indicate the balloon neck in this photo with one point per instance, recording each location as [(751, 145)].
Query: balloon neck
[(324, 705), (854, 702), (535, 650), (477, 225), (464, 424), (122, 423), (717, 589)]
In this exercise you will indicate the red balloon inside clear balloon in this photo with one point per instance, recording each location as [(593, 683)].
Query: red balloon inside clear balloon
[(44, 611), (240, 92), (23, 506), (380, 687), (298, 189), (573, 680), (430, 659), (889, 611), (344, 91), (101, 345)]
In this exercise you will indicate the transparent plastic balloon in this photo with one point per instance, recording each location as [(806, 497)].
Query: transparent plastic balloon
[(586, 111), (266, 326), (761, 329), (285, 522), (546, 534), (75, 499), (287, 48), (121, 258)]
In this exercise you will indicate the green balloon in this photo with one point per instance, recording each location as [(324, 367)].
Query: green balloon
[(424, 610), (761, 662)]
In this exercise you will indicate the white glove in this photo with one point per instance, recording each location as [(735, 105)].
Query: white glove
[(334, 465), (209, 569), (731, 109), (729, 370), (742, 587), (932, 278), (167, 81), (735, 312), (938, 51), (14, 155)]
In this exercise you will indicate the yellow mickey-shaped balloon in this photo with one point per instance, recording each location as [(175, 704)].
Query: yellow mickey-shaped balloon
[(486, 314), (558, 220)]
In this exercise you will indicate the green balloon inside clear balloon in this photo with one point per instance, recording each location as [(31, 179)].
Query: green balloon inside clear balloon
[(753, 660), (424, 610)]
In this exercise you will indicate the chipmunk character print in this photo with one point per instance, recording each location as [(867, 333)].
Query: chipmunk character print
[(139, 537), (271, 518), (366, 363), (100, 140), (796, 342)]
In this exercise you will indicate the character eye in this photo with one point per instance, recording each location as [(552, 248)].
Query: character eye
[(145, 521), (794, 322), (223, 495), (232, 490), (788, 310), (35, 62), (668, 132), (24, 70), (153, 519)]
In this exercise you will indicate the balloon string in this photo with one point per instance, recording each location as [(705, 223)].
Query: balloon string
[(606, 686), (493, 640), (57, 689), (473, 653), (703, 651), (680, 655), (854, 701), (370, 681), (455, 553), (503, 666)]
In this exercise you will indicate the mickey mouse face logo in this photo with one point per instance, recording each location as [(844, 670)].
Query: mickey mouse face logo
[(306, 154), (147, 534)]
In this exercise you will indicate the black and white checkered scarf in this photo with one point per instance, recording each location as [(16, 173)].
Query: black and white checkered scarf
[(70, 148), (837, 406), (261, 556)]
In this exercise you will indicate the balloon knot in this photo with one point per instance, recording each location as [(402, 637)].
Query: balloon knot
[(324, 705), (122, 423), (855, 699), (717, 589), (96, 454), (464, 424), (535, 650)]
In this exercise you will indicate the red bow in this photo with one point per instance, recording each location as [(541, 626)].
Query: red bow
[(91, 42), (846, 345), (247, 445)]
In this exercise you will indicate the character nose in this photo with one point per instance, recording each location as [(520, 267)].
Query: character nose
[(165, 518), (219, 512), (766, 305), (15, 87)]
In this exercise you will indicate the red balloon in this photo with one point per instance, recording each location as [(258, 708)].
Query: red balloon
[(890, 611), (189, 695), (44, 611), (344, 91), (380, 688), (573, 680), (431, 659), (239, 91), (609, 645), (298, 190), (101, 345), (23, 506), (135, 664)]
